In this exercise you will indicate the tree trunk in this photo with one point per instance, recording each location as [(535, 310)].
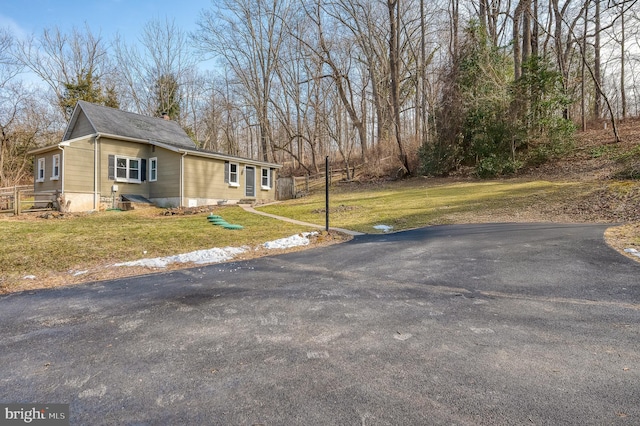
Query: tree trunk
[(536, 30), (583, 107), (455, 17), (423, 76), (482, 12), (560, 56), (612, 117), (394, 62), (597, 107), (521, 53), (623, 96), (526, 33), (517, 49)]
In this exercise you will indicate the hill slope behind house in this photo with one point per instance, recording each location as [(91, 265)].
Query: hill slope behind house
[(612, 168), (596, 156)]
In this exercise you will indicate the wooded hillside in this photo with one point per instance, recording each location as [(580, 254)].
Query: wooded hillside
[(401, 86)]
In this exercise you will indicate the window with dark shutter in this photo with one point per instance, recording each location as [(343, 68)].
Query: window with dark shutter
[(112, 167), (126, 169), (143, 174)]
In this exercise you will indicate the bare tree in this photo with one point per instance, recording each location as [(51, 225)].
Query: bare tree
[(60, 59), (25, 124), (583, 79), (365, 21), (598, 85), (565, 39), (341, 133), (10, 67), (394, 64), (335, 54), (155, 77), (626, 31), (24, 121), (623, 59), (246, 35), (597, 75)]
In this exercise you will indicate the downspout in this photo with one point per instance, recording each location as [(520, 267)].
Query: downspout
[(96, 175), (61, 171), (184, 154)]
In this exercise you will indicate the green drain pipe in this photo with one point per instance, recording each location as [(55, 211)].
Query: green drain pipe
[(214, 219)]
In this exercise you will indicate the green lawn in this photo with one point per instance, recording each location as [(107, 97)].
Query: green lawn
[(43, 246), (420, 202)]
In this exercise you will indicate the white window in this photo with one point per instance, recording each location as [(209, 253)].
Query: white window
[(234, 178), (153, 169), (265, 180), (231, 174), (40, 176), (128, 169), (55, 170)]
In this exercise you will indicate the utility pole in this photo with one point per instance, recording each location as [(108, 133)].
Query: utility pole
[(326, 192)]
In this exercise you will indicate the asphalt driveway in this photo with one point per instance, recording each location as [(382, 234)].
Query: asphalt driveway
[(470, 324)]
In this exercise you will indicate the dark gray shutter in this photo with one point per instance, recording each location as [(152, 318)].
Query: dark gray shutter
[(226, 172), (273, 183), (112, 167), (143, 170)]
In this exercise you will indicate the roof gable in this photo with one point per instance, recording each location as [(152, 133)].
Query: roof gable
[(112, 121)]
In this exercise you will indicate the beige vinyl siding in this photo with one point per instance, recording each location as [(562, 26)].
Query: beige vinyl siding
[(168, 183), (82, 127), (265, 194), (78, 164), (261, 194), (108, 147), (204, 178), (48, 185)]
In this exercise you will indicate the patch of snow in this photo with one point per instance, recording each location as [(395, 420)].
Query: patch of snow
[(632, 251), (213, 255), (29, 277), (75, 274), (216, 255), (292, 241), (383, 228)]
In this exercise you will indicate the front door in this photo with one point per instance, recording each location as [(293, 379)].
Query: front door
[(250, 182)]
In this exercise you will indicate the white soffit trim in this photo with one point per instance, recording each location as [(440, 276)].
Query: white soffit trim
[(231, 158)]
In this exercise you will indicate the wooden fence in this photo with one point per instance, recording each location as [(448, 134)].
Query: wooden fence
[(299, 186), (22, 199)]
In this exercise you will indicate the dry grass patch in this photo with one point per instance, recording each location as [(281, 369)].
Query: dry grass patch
[(624, 236)]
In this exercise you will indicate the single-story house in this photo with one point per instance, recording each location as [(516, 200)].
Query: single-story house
[(107, 155)]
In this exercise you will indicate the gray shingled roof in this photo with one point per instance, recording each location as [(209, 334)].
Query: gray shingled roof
[(122, 123)]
